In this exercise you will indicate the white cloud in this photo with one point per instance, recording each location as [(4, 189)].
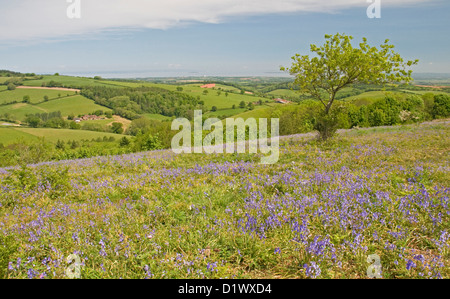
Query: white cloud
[(22, 20)]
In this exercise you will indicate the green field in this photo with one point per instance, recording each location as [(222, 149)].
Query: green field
[(284, 93), (422, 92), (225, 112), (68, 81), (19, 111), (372, 95), (74, 104), (10, 135), (153, 116), (36, 95), (212, 98)]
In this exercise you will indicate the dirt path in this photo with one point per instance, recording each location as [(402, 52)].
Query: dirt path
[(49, 88)]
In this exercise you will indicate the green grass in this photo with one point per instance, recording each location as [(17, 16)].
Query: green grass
[(422, 92), (68, 81), (20, 110), (36, 95), (160, 215), (74, 104), (284, 93), (10, 135), (258, 112), (225, 112), (212, 99), (153, 116), (53, 135), (371, 95)]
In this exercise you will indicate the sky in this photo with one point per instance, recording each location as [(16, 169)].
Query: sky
[(149, 38)]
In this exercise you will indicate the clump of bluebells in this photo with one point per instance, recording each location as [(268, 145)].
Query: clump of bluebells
[(318, 213)]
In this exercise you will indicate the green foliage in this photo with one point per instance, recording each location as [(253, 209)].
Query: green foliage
[(441, 107), (117, 128), (130, 102), (11, 86), (74, 126), (326, 125), (338, 64), (124, 142), (33, 121), (74, 144), (390, 111), (23, 178), (60, 145), (147, 142)]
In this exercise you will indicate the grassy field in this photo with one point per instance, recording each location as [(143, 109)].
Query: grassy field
[(74, 104), (284, 93), (213, 99), (20, 110), (108, 121), (317, 213), (11, 135), (370, 95), (156, 116), (68, 81), (36, 95)]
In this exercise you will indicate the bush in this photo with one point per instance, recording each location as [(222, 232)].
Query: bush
[(124, 142), (147, 142), (117, 128), (326, 125), (441, 107)]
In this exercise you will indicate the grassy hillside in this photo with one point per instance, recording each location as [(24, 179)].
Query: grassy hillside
[(36, 95), (213, 99), (67, 81), (10, 135), (317, 213), (74, 104)]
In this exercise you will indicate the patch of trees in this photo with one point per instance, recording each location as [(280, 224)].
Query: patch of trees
[(130, 102), (391, 110), (47, 120)]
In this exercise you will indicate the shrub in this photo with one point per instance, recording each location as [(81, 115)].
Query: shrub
[(326, 125), (441, 108)]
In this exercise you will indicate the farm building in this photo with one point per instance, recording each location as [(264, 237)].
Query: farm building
[(87, 117), (282, 101)]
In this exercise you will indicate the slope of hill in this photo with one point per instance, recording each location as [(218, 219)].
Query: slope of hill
[(317, 213)]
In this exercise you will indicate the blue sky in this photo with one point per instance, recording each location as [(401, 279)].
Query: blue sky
[(197, 40)]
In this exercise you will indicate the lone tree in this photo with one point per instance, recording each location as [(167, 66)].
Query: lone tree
[(337, 64)]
